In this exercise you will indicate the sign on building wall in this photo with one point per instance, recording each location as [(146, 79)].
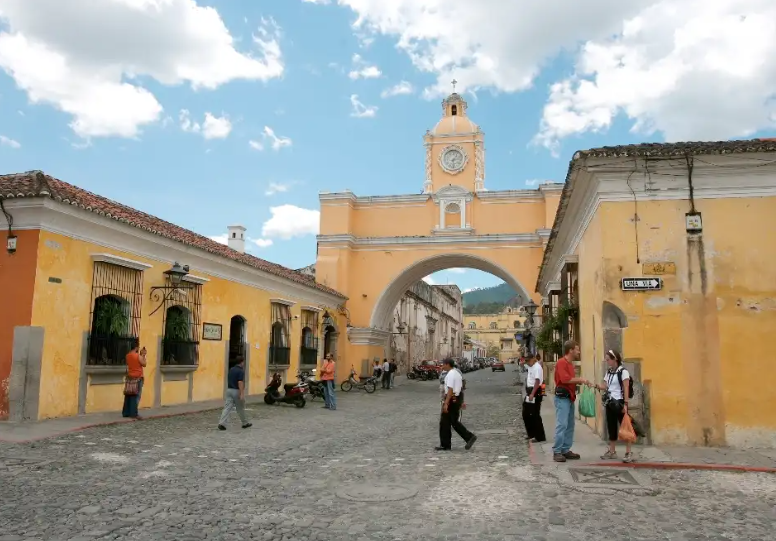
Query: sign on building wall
[(641, 284), (211, 331), (659, 268)]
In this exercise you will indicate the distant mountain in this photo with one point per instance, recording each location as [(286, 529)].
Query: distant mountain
[(489, 300)]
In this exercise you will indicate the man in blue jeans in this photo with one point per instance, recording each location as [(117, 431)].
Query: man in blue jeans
[(566, 382)]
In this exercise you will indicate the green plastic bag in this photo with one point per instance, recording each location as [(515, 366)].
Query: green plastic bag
[(587, 403)]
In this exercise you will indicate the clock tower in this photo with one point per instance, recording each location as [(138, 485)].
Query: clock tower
[(455, 150)]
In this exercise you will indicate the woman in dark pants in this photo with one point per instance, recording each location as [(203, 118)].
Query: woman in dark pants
[(615, 390)]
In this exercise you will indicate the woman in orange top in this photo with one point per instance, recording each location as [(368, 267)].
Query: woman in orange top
[(327, 376), (136, 361)]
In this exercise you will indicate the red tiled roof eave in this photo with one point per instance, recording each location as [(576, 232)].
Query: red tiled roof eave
[(38, 184)]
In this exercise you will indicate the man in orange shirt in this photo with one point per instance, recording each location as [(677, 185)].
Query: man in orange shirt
[(327, 376), (136, 361), (566, 382)]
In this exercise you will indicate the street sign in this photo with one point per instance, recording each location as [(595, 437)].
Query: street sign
[(641, 284)]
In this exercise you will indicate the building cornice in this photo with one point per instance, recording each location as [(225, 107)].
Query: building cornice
[(356, 242), (368, 336), (593, 181), (73, 222), (121, 261), (284, 302)]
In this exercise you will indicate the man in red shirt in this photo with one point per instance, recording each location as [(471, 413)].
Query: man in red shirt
[(566, 382)]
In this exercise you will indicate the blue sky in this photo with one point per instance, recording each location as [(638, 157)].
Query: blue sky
[(127, 118)]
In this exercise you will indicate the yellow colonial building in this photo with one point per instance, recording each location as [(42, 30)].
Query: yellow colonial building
[(374, 248), (83, 277), (666, 253), (501, 334)]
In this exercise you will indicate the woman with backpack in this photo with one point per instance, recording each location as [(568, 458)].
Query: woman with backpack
[(617, 390)]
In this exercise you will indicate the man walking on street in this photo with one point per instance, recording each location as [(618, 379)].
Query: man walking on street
[(386, 374), (532, 404), (450, 419), (327, 376), (394, 368), (235, 395), (565, 395)]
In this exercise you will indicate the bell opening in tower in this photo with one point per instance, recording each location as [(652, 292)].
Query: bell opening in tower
[(454, 110)]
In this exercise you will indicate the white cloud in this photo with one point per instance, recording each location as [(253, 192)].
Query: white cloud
[(532, 182), (360, 110), (224, 239), (276, 142), (276, 187), (290, 221), (88, 59), (324, 2), (8, 142), (689, 69), (213, 127), (256, 145), (399, 89), (363, 70), (429, 280), (262, 243)]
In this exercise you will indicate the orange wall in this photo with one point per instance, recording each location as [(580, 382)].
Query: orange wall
[(17, 284)]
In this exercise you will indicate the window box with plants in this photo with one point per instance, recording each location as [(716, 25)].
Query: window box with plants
[(180, 353)]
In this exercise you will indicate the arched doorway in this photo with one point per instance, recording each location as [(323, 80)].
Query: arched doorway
[(238, 340), (330, 336)]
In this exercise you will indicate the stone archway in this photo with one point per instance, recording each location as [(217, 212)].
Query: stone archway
[(382, 313)]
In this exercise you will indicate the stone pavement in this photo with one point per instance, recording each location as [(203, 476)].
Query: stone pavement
[(364, 472)]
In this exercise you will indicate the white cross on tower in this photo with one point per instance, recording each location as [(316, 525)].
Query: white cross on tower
[(454, 83)]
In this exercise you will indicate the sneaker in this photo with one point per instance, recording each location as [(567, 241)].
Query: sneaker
[(628, 458), (471, 441), (609, 455), (442, 449), (221, 427), (557, 457), (571, 455), (247, 425)]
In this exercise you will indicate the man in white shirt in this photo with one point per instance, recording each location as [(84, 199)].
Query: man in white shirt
[(450, 419), (532, 404), (386, 374)]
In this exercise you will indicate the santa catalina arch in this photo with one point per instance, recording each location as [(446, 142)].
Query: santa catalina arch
[(374, 248)]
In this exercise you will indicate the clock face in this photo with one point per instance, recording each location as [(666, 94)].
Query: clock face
[(453, 159)]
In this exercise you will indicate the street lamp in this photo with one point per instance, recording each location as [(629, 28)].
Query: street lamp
[(175, 275), (530, 309), (401, 328)]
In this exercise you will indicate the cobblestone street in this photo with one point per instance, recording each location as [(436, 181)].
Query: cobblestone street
[(366, 471)]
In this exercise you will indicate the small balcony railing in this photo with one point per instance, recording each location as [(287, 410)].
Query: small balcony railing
[(279, 356), (308, 356), (180, 352), (109, 350)]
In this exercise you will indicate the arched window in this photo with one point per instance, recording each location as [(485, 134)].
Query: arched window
[(453, 215), (454, 110), (180, 344), (472, 325), (494, 325), (516, 324)]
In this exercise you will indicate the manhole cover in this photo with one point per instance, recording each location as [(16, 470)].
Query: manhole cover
[(377, 493), (603, 477)]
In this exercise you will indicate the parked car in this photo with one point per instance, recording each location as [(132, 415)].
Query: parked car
[(498, 366)]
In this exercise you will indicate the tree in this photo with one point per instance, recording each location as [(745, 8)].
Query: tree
[(493, 350)]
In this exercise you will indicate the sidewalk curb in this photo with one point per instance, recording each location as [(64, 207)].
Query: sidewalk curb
[(684, 466)]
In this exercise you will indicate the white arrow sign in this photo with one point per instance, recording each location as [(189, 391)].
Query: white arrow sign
[(641, 284)]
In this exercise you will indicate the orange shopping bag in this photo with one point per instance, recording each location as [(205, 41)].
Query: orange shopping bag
[(626, 432)]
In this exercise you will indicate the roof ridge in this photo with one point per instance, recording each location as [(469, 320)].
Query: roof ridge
[(36, 183)]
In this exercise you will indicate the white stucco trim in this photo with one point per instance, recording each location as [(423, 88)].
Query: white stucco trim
[(368, 336), (601, 181), (195, 279), (353, 241), (282, 301), (74, 222), (120, 261), (312, 308)]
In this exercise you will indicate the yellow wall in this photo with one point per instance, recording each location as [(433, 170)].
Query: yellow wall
[(505, 329), (702, 341), (63, 309)]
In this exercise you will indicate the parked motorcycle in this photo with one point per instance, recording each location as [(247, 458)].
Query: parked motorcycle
[(314, 386), (293, 392)]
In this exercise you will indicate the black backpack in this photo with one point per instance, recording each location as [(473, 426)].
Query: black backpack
[(622, 387)]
